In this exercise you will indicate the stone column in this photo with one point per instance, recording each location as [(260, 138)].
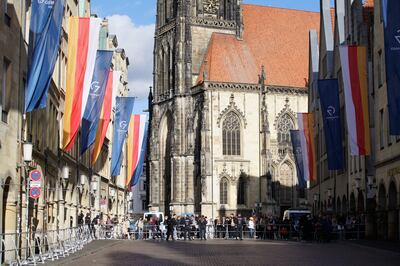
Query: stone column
[(189, 170)]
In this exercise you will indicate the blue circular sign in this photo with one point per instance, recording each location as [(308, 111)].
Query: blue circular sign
[(34, 192), (35, 175)]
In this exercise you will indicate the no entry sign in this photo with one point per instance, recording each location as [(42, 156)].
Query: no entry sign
[(34, 192)]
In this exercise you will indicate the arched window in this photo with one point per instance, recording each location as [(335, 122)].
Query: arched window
[(231, 134), (223, 191), (241, 198), (285, 124)]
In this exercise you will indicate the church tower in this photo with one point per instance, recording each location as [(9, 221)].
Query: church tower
[(183, 30)]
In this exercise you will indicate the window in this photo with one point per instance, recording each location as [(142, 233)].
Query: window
[(390, 138), (5, 89), (144, 205), (7, 18), (231, 134), (380, 72), (241, 199), (142, 185), (285, 124), (381, 130), (223, 191)]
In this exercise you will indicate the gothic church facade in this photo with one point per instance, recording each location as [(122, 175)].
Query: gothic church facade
[(229, 80)]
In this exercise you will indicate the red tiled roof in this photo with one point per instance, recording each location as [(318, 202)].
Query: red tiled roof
[(368, 3), (277, 38)]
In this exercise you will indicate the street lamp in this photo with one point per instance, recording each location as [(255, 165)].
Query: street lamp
[(65, 173), (27, 152), (27, 148)]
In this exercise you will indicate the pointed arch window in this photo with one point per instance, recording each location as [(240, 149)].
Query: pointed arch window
[(223, 191), (231, 134), (285, 124)]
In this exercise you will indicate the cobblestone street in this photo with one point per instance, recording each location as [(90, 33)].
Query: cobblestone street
[(226, 252)]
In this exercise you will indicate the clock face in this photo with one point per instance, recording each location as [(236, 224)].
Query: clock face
[(211, 6)]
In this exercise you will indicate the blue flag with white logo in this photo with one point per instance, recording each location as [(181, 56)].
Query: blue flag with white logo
[(330, 108), (123, 112), (298, 156), (139, 167), (45, 33), (391, 25), (91, 115)]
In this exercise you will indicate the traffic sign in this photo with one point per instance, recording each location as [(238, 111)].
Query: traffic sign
[(35, 175), (34, 192)]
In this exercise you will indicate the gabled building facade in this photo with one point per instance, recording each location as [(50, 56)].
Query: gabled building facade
[(229, 80)]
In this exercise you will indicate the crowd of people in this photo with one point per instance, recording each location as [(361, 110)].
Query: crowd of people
[(188, 227), (322, 228)]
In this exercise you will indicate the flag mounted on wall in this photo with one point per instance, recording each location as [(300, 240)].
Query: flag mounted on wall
[(139, 168), (298, 156), (306, 130), (330, 108), (83, 41), (136, 140), (123, 112), (354, 70), (391, 25), (94, 104), (105, 114), (45, 33)]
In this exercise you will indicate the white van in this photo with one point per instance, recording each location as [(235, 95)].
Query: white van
[(294, 215)]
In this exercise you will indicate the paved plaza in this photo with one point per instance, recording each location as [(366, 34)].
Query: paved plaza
[(227, 252)]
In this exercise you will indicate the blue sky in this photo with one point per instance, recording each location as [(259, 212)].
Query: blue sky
[(133, 23), (143, 11)]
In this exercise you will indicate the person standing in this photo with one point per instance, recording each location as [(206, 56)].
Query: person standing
[(251, 227), (88, 222), (80, 218), (239, 227), (171, 222), (202, 227), (188, 228)]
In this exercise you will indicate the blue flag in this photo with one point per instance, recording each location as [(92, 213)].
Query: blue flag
[(391, 24), (330, 108), (139, 167), (298, 156), (123, 112), (90, 119), (45, 33)]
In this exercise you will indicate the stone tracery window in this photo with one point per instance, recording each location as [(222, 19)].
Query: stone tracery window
[(223, 191), (285, 124), (231, 134)]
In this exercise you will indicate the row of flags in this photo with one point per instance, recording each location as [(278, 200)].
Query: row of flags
[(90, 91), (353, 60), (354, 73)]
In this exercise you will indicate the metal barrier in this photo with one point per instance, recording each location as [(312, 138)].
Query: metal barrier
[(40, 246), (262, 232)]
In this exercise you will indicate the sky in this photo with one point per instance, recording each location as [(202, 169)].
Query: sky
[(133, 23)]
